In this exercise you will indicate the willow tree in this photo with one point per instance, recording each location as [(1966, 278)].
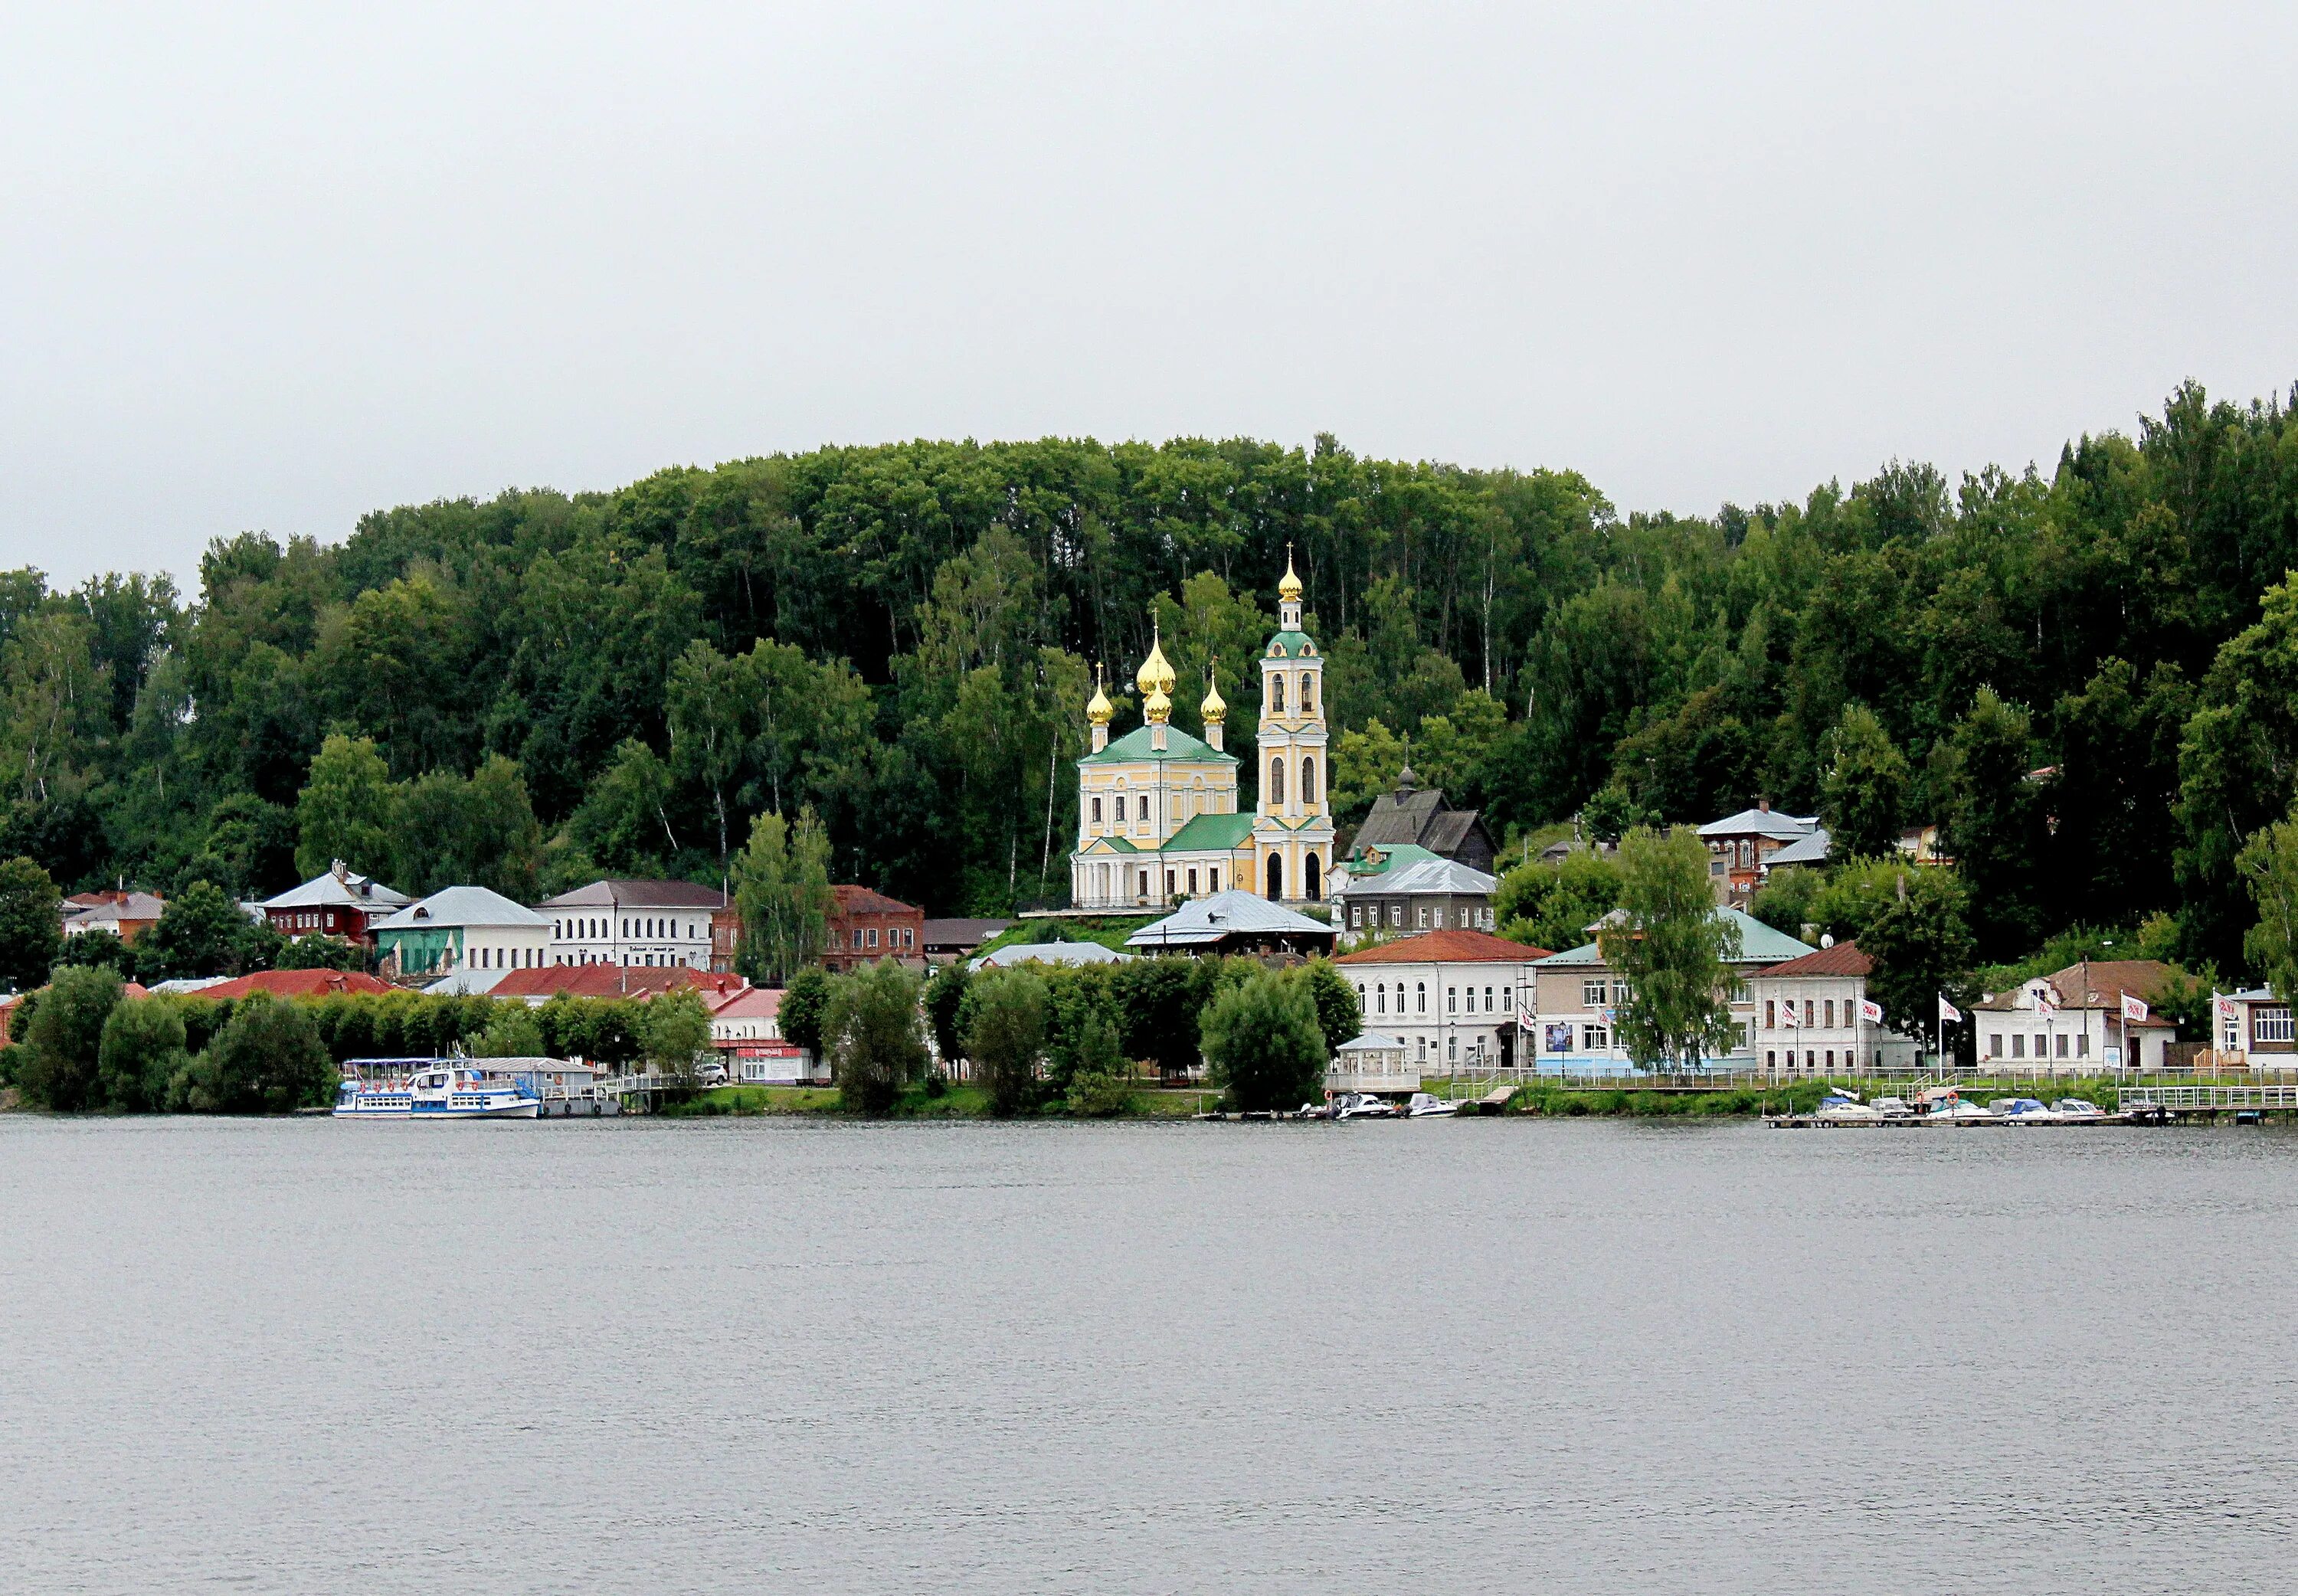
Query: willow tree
[(1668, 946)]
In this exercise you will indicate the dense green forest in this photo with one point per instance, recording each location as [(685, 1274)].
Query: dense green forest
[(533, 690)]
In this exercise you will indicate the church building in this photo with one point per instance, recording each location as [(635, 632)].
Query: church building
[(1157, 808)]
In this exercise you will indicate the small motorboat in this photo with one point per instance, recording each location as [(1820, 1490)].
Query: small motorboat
[(1954, 1108), (1842, 1103), (1364, 1105), (2029, 1110), (1427, 1105), (1893, 1108), (2075, 1109)]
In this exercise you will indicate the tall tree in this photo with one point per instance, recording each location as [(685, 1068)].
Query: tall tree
[(30, 936), (1863, 796), (1670, 947), (781, 889), (346, 810)]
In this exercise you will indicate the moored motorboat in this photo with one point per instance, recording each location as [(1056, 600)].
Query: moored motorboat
[(1427, 1105)]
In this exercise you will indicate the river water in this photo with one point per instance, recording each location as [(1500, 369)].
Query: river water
[(736, 1355)]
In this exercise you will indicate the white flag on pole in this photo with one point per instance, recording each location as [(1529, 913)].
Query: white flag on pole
[(1949, 1013), (2134, 1008), (1871, 1011)]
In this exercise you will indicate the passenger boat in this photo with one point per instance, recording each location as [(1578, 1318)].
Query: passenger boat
[(435, 1090)]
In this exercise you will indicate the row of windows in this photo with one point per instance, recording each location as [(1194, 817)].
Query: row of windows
[(1137, 806), (1811, 1058), (1276, 794), (1308, 693), (1824, 1009), (631, 961), (591, 929), (2043, 1048), (1429, 917), (1378, 996), (867, 937)]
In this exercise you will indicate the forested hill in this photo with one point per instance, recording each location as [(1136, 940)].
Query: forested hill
[(903, 639)]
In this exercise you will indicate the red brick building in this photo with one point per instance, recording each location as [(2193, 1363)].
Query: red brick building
[(866, 926)]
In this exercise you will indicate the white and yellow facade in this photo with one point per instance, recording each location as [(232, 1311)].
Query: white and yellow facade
[(1157, 808)]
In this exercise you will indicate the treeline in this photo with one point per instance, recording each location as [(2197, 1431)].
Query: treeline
[(81, 1043), (2079, 674)]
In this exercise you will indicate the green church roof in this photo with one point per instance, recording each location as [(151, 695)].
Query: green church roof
[(1211, 833), (1179, 746), (1292, 645)]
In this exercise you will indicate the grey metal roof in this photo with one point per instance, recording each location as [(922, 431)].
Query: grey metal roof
[(1370, 1041), (1423, 875), (1050, 953), (465, 982), (335, 892), (1233, 912), (462, 905), (612, 893), (1811, 850), (1759, 822)]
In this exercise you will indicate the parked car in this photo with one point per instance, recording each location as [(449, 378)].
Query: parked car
[(713, 1074)]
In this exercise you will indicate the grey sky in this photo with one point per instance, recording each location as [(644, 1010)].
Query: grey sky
[(272, 266)]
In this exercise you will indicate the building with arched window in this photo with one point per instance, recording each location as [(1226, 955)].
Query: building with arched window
[(1159, 821)]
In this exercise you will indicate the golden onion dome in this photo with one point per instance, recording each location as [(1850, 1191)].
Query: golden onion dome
[(1290, 587), (1099, 710), (1215, 708), (1155, 676), (1157, 709)]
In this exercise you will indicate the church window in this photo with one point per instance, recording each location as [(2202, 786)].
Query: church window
[(1308, 695), (1308, 780), (1212, 878), (1096, 811), (1276, 694), (1169, 883), (1193, 883), (1145, 886), (1277, 779), (1121, 809)]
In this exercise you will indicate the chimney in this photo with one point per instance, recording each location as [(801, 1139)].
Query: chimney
[(1764, 806)]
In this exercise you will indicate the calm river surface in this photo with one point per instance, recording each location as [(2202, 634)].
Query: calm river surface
[(1454, 1356)]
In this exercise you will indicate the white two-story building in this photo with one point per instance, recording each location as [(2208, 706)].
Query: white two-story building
[(1453, 998), (1580, 997), (1810, 1017), (645, 924)]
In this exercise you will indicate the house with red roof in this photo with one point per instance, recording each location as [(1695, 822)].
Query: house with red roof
[(746, 1029), (1812, 1016), (866, 926), (2093, 1014), (1452, 998)]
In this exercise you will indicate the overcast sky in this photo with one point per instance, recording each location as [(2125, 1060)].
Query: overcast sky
[(272, 266)]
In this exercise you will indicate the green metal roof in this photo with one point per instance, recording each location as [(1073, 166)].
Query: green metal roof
[(1759, 944), (1211, 833), (1116, 844), (1292, 645), (1134, 745)]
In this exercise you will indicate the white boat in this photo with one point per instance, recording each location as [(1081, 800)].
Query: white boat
[(1956, 1108), (1427, 1106), (1364, 1105), (1843, 1103), (2074, 1110), (2031, 1111), (436, 1089)]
